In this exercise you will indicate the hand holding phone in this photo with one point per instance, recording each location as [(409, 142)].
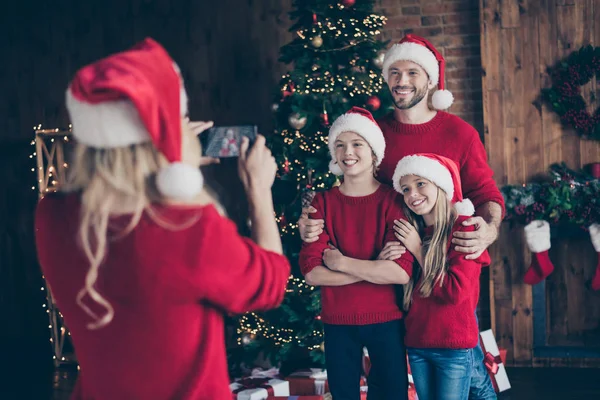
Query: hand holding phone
[(225, 141)]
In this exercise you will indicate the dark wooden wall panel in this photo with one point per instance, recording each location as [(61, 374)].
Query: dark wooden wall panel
[(520, 40), (227, 50)]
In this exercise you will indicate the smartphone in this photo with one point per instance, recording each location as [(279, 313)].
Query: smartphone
[(224, 141)]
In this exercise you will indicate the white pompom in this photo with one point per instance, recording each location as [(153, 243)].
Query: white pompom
[(179, 181), (442, 99), (335, 168), (537, 235), (465, 207)]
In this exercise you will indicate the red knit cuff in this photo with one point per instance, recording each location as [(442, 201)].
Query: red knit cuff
[(309, 264), (405, 265)]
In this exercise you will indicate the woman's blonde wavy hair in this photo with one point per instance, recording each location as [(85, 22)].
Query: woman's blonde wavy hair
[(107, 179), (435, 249)]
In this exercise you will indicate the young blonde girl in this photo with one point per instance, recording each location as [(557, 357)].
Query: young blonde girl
[(358, 295), (442, 294), (141, 264)]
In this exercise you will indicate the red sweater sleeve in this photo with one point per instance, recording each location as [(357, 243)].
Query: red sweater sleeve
[(235, 273), (477, 177), (462, 277), (407, 259), (311, 254)]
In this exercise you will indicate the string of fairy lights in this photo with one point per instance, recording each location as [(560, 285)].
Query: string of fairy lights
[(48, 181), (251, 325), (363, 29), (329, 83)]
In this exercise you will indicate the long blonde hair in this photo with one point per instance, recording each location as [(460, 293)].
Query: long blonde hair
[(435, 249), (106, 178)]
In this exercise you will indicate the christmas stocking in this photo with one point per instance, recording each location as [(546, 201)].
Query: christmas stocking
[(537, 234), (595, 236)]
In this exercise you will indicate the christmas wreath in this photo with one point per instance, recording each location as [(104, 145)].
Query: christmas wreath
[(562, 197), (564, 97)]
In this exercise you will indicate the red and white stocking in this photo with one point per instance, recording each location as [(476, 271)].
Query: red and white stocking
[(537, 235), (595, 236)]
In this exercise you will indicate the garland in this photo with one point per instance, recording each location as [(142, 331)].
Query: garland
[(563, 197), (564, 97)]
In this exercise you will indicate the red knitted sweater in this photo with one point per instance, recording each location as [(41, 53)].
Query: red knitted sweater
[(446, 319), (169, 287), (359, 227)]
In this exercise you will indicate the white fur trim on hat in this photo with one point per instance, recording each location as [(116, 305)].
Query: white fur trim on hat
[(335, 168), (537, 235), (108, 124), (465, 207), (416, 53), (442, 99), (179, 181), (427, 168), (595, 236), (361, 125)]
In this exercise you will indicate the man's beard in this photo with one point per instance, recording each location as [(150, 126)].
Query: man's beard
[(416, 99)]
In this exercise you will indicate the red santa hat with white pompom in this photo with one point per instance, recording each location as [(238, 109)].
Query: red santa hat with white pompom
[(134, 97), (440, 170), (421, 51)]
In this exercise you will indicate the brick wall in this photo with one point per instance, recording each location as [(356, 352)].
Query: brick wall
[(453, 27)]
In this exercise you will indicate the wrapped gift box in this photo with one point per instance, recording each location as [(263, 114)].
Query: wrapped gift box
[(493, 361), (316, 397), (311, 382), (254, 388)]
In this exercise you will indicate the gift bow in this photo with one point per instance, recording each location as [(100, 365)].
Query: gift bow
[(255, 383), (492, 363), (260, 373)]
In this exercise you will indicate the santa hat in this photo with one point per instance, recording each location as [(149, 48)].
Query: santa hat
[(440, 170), (361, 122), (134, 97), (421, 51)]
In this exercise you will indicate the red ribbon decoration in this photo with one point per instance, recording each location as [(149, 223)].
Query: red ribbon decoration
[(254, 383), (492, 363)]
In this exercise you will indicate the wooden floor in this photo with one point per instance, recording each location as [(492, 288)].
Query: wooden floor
[(527, 384)]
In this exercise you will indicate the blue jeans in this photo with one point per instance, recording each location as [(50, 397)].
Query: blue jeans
[(388, 378), (441, 374), (481, 384)]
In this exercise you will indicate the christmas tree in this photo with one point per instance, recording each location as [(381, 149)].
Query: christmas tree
[(337, 58)]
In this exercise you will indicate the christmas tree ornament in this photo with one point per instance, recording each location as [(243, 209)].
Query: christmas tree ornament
[(348, 3), (248, 338), (289, 89), (286, 165), (595, 236), (373, 103), (282, 221), (317, 42), (325, 118), (322, 347), (275, 107), (297, 121), (378, 60), (595, 170), (314, 18), (537, 236)]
